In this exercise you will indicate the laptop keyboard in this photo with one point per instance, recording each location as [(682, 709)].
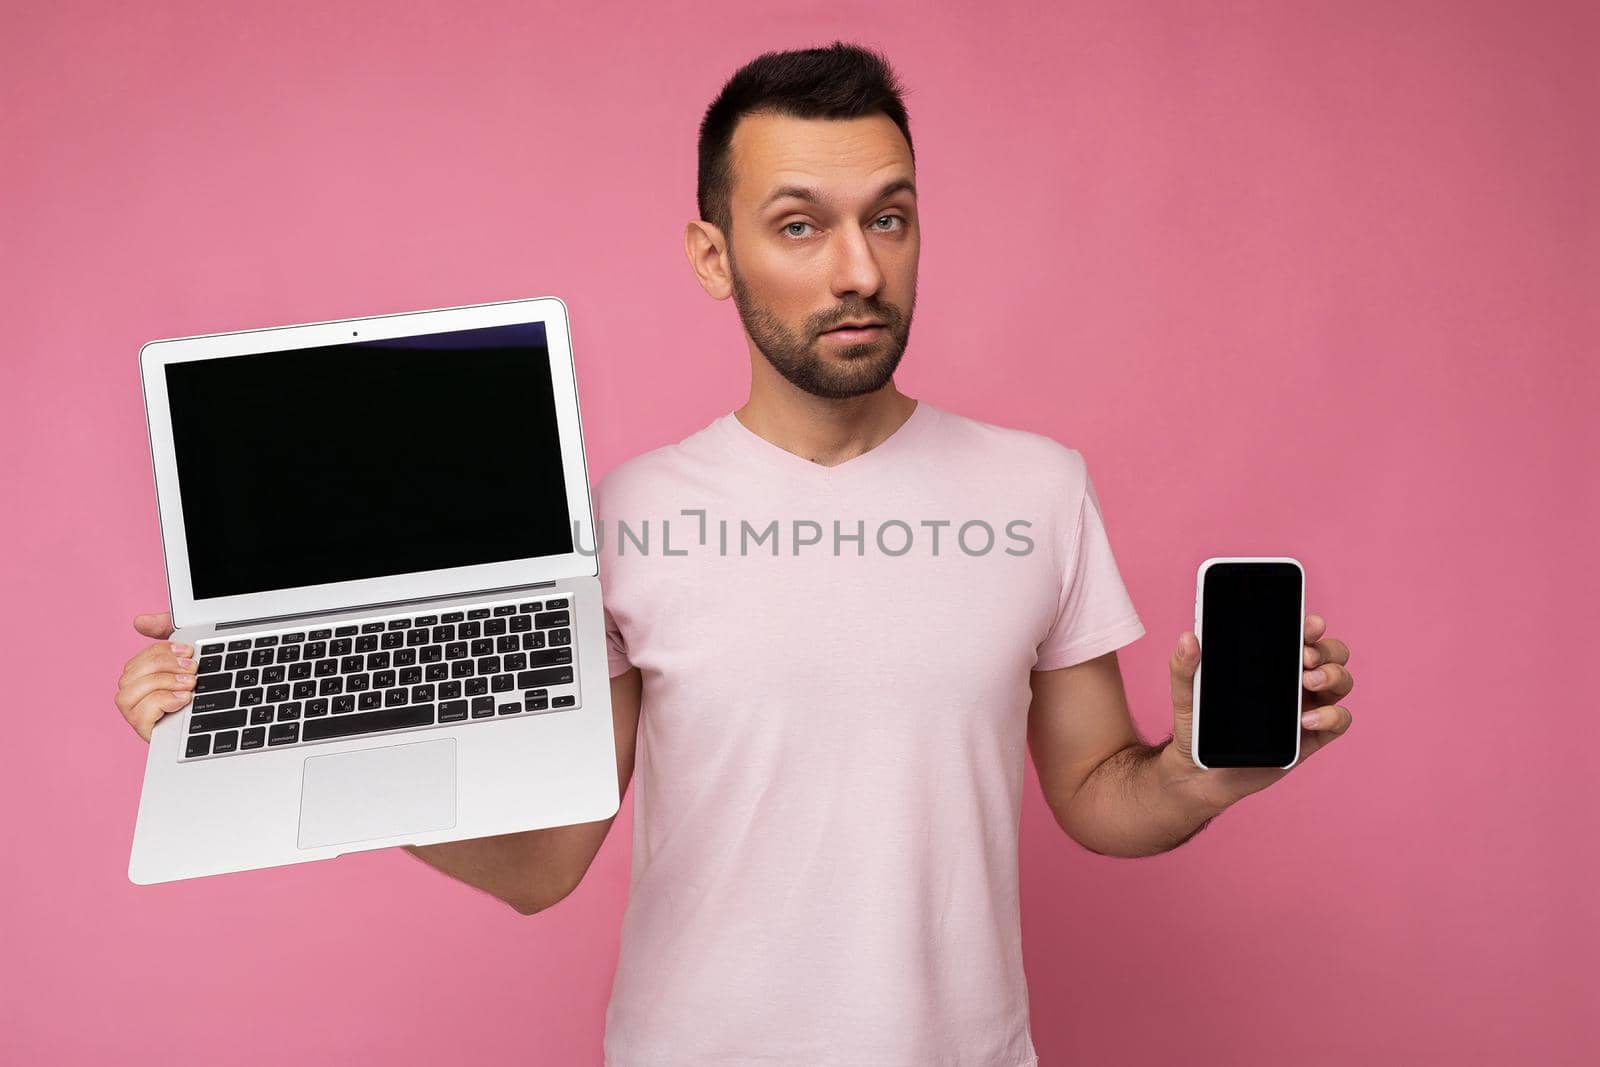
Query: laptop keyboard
[(299, 687)]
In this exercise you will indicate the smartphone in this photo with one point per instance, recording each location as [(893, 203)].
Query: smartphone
[(1249, 614)]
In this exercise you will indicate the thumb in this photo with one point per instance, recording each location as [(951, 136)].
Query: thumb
[(158, 626), (1184, 664)]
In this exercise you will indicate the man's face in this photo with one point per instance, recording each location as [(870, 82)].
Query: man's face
[(802, 266)]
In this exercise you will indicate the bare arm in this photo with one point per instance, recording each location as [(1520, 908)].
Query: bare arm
[(1109, 791), (537, 868)]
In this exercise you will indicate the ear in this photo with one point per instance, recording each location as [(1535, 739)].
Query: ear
[(706, 248)]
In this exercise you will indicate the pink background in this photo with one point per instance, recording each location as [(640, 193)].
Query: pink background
[(1311, 279)]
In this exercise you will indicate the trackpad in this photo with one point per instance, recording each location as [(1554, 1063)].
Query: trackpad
[(378, 792)]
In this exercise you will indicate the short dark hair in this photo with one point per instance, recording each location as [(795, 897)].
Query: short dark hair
[(842, 81)]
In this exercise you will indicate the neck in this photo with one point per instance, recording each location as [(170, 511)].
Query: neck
[(826, 432)]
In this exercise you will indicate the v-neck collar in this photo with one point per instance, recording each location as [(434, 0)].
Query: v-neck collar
[(742, 438)]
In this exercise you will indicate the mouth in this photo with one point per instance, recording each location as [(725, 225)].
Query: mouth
[(855, 333)]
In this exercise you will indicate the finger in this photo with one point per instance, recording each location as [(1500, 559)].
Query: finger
[(1331, 721), (144, 715), (1315, 627), (157, 625), (131, 694), (158, 658), (1331, 678)]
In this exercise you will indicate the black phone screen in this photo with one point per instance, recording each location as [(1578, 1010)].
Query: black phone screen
[(1251, 636)]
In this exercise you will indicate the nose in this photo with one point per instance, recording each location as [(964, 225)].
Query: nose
[(855, 268)]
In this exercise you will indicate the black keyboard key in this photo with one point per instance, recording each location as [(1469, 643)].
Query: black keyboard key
[(483, 646), (250, 696), (346, 631), (456, 650), (505, 609), (449, 690), (305, 690), (289, 711), (451, 617), (393, 698), (537, 703), (326, 668), (342, 646), (373, 722), (508, 643), (372, 627), (198, 746), (547, 676), (316, 707), (273, 674), (567, 701), (321, 635), (376, 661), (521, 624), (240, 645), (383, 679), (468, 630), (424, 620), (205, 702), (344, 704), (489, 665), (352, 664), (529, 607), (367, 643), (461, 668), (416, 637), (277, 693), (369, 700), (476, 687), (516, 661), (221, 720), (210, 664), (225, 742), (316, 649), (551, 605), (510, 709), (441, 634), (265, 642), (533, 640), (411, 676), (393, 639), (405, 657), (482, 707), (544, 620), (262, 714), (299, 671), (293, 639), (358, 683), (436, 672), (234, 660), (421, 694), (283, 733), (398, 624), (330, 687), (211, 650), (478, 613), (503, 682), (549, 657), (288, 653), (254, 737), (452, 711), (560, 637), (241, 679), (431, 653), (262, 657), (494, 627)]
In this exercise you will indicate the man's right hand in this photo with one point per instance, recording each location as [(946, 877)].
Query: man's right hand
[(159, 680)]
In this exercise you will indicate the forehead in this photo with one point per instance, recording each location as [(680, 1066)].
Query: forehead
[(844, 157)]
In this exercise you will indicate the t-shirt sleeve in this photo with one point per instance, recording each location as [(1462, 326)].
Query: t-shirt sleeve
[(616, 644), (1094, 614)]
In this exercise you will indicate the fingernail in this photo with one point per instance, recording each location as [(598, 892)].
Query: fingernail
[(181, 650), (1309, 719), (1315, 678), (185, 696), (186, 664), (185, 679)]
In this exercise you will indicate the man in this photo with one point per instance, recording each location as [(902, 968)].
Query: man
[(828, 660)]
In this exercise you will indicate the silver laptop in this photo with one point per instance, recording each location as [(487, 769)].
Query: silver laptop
[(379, 539)]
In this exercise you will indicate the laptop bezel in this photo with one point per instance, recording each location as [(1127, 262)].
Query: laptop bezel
[(156, 355)]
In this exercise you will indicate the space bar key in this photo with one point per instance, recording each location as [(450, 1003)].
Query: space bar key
[(366, 723)]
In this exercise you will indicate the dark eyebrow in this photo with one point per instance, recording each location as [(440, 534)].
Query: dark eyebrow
[(800, 192)]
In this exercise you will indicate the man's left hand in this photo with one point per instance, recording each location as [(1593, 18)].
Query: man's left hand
[(1325, 681)]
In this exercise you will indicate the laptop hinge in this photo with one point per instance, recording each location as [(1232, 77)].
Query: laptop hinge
[(270, 619)]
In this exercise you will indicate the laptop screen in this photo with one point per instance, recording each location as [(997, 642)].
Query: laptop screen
[(368, 459)]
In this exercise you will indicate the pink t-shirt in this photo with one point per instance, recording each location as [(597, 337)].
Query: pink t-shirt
[(830, 755)]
